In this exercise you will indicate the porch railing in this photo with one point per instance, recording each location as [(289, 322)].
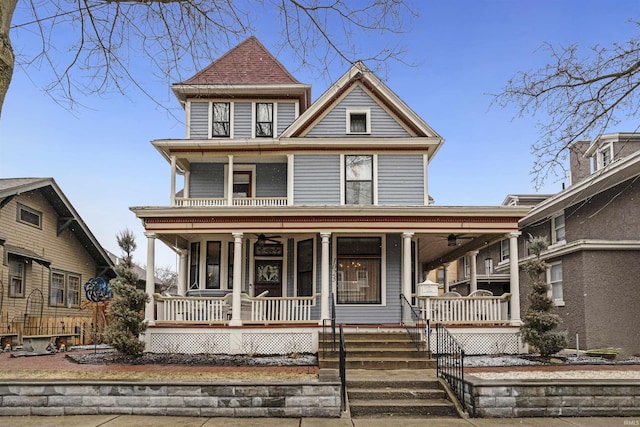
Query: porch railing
[(450, 361), (465, 310), (416, 326), (223, 201), (218, 309)]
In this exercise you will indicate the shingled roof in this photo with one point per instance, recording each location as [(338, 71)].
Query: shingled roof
[(249, 63)]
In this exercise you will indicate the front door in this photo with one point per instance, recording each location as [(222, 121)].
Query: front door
[(268, 277)]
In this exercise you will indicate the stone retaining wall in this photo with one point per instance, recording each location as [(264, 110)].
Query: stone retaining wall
[(198, 399), (552, 398)]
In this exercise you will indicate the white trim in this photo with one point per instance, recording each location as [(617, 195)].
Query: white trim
[(232, 116), (343, 181), (374, 180), (599, 155), (187, 133), (585, 245), (290, 178), (210, 120), (239, 168), (554, 239), (364, 110), (425, 181), (383, 267)]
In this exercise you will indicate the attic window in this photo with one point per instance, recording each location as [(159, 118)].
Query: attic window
[(358, 121), (29, 216), (605, 156)]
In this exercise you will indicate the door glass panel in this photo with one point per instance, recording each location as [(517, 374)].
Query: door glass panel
[(213, 265)]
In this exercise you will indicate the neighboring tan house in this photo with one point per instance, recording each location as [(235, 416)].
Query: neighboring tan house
[(319, 204), (48, 253), (593, 230)]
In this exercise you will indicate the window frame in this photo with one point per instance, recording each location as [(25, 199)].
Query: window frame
[(194, 265), (310, 241), (347, 181), (207, 280), (36, 213), (558, 302), (349, 112), (601, 161), (256, 122), (244, 168), (22, 277), (213, 119), (505, 250), (353, 257), (554, 229), (65, 289)]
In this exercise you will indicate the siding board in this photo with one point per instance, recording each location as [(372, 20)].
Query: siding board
[(286, 115), (271, 180), (334, 123), (400, 180), (317, 179), (206, 180), (242, 120), (199, 120)]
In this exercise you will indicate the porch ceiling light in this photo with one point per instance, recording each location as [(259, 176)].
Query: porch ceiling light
[(262, 239), (451, 240)]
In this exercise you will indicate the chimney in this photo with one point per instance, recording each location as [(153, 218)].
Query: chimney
[(579, 164)]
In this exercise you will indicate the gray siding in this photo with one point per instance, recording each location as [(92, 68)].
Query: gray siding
[(199, 120), (206, 180), (271, 180), (400, 180), (286, 115), (334, 123), (376, 314), (242, 120), (317, 179)]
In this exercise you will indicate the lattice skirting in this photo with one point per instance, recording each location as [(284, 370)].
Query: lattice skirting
[(485, 341), (237, 341)]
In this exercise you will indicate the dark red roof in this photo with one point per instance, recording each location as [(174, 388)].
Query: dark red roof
[(249, 63)]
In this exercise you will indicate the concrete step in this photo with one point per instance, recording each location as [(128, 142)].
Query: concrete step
[(366, 336), (392, 408), (377, 363), (355, 383), (355, 353), (396, 393)]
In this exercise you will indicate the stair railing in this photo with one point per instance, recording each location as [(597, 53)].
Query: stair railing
[(329, 326), (416, 326), (343, 371), (450, 361)]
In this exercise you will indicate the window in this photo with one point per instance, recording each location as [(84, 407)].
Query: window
[(555, 283), (359, 180), (29, 216), (359, 270), (604, 156), (64, 290), (504, 250), (16, 278), (440, 275), (221, 119), (56, 290), (242, 184), (358, 121), (213, 265), (194, 267), (466, 268), (558, 229), (304, 268), (230, 260), (264, 120)]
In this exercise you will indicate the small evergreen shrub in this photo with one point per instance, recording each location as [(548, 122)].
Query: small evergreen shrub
[(127, 306), (538, 324)]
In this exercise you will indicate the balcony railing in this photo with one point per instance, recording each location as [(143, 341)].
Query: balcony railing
[(208, 202), (466, 310), (212, 310)]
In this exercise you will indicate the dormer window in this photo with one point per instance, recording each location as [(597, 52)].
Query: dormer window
[(264, 120), (358, 121), (221, 119), (604, 156)]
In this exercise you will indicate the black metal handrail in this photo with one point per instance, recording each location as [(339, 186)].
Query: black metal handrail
[(343, 371), (417, 328), (329, 325), (450, 361)]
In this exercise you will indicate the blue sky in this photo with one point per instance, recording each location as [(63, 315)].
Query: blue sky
[(101, 157)]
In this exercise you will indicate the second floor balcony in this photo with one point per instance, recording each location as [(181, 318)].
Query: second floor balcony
[(193, 202)]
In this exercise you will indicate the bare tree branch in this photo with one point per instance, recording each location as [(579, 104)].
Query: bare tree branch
[(90, 46), (579, 96)]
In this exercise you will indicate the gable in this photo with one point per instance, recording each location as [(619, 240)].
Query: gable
[(334, 122)]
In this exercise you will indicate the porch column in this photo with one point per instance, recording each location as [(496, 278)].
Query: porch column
[(236, 315), (514, 278), (173, 180), (446, 276), (150, 279), (406, 265), (324, 278), (182, 271), (230, 181), (473, 280)]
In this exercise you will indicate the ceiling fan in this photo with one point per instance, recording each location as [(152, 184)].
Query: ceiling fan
[(262, 239), (452, 239)]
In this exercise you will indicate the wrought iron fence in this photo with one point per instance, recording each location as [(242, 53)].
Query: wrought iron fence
[(450, 361), (416, 326), (343, 371)]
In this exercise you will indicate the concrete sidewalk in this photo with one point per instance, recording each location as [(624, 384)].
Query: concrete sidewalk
[(167, 421)]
